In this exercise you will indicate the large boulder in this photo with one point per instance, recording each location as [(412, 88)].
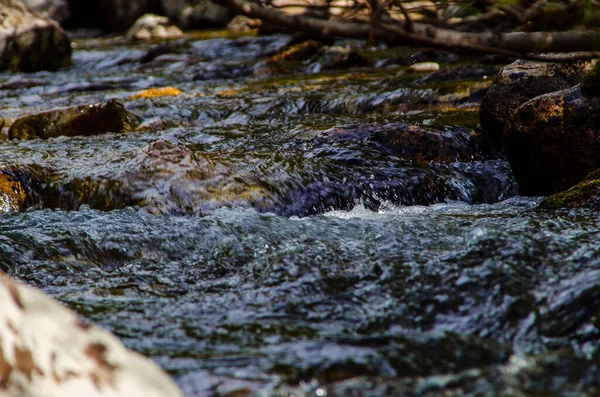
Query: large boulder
[(519, 82), (552, 141), (30, 42), (46, 350), (190, 14), (92, 119), (59, 10)]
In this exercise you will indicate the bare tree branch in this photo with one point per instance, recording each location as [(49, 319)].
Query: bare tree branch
[(516, 44)]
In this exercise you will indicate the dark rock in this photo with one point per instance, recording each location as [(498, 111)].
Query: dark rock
[(279, 63), (418, 144), (190, 14), (467, 72), (329, 58), (58, 10), (72, 121), (552, 141), (153, 27), (30, 42), (520, 81)]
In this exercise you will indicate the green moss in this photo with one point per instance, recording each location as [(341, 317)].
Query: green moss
[(576, 196)]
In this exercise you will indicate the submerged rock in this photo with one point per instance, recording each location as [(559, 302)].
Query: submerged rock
[(30, 42), (84, 120), (552, 141), (46, 350), (520, 81), (153, 27)]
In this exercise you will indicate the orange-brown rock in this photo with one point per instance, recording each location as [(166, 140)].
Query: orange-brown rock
[(519, 82), (157, 92)]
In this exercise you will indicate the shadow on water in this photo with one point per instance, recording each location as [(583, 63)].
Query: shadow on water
[(260, 236)]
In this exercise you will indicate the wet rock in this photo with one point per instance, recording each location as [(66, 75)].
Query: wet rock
[(585, 194), (280, 62), (418, 144), (552, 141), (58, 10), (84, 120), (520, 81), (47, 350), (30, 42), (194, 14), (330, 58), (12, 192), (423, 67), (468, 72), (153, 27)]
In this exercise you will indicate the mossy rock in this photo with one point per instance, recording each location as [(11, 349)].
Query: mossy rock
[(85, 120), (586, 194)]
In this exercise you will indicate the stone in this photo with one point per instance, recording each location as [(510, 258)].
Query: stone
[(335, 58), (46, 350), (58, 10), (552, 141), (465, 72), (414, 143), (519, 82), (30, 42), (84, 120), (423, 67), (196, 14), (153, 27)]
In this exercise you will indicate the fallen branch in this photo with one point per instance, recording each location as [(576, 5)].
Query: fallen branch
[(518, 44)]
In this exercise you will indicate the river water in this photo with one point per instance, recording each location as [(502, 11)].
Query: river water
[(239, 242)]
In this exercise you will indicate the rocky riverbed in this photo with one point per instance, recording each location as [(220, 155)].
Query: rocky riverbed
[(307, 228)]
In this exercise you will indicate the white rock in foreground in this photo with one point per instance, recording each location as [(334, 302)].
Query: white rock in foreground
[(46, 350)]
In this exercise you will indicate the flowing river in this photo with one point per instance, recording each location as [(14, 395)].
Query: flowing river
[(253, 239)]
